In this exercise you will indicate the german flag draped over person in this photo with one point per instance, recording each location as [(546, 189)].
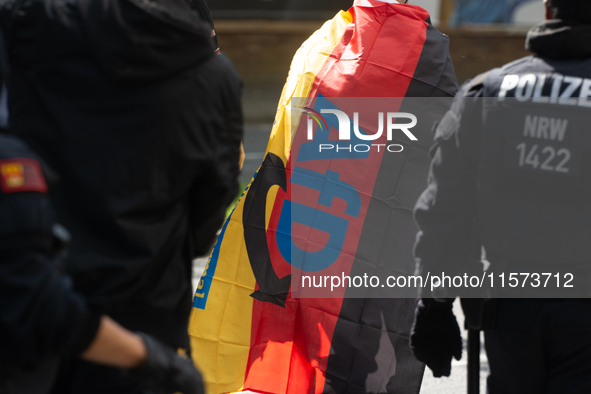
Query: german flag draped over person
[(247, 331)]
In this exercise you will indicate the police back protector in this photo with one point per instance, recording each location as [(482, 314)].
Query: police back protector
[(534, 172)]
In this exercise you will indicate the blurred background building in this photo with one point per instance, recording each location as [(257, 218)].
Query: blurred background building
[(462, 11)]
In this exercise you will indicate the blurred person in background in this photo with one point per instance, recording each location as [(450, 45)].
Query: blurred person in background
[(128, 104), (530, 215), (200, 6)]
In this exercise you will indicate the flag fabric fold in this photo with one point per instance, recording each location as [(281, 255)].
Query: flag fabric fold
[(248, 328)]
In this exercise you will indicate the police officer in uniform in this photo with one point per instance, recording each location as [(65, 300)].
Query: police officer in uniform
[(41, 317), (521, 190)]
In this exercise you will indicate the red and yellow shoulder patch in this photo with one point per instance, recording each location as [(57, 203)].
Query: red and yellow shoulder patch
[(21, 175)]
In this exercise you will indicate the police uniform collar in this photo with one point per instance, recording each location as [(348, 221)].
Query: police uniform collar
[(560, 39)]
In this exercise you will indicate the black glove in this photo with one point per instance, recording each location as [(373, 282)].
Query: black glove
[(435, 336), (166, 372)]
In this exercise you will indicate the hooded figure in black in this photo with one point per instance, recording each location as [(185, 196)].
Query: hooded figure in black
[(127, 102)]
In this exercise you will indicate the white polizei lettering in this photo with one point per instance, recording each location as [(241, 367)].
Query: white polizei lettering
[(525, 87), (556, 84), (509, 82), (326, 146), (565, 90), (347, 148), (558, 128), (538, 98), (404, 127), (543, 125), (566, 98), (364, 137), (344, 123), (530, 126), (585, 94)]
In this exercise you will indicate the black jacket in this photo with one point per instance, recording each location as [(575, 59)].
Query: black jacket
[(525, 213), (126, 101)]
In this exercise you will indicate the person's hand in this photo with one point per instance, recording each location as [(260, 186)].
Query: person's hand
[(166, 372), (435, 336)]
